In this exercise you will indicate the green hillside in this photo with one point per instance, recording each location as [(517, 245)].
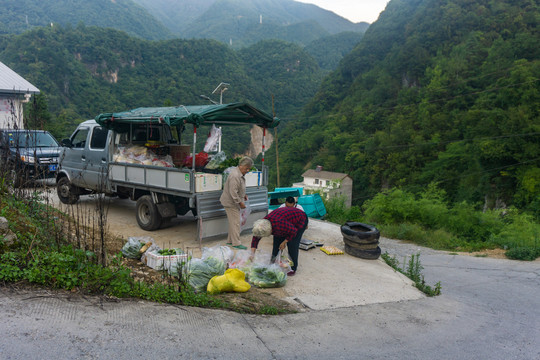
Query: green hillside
[(176, 15), (244, 22), (22, 15), (444, 92), (329, 50), (85, 71)]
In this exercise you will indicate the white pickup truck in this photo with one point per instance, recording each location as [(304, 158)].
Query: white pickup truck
[(90, 163)]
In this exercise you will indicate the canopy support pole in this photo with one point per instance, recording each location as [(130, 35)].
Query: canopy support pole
[(194, 144), (264, 135)]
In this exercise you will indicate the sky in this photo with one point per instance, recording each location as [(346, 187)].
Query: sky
[(352, 10)]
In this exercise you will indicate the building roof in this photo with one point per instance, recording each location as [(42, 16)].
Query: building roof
[(13, 83), (326, 175)]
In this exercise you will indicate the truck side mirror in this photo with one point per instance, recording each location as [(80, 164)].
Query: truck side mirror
[(67, 143)]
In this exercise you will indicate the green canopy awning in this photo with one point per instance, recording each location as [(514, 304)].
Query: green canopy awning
[(220, 115)]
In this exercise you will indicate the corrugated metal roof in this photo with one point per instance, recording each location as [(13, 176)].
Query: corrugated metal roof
[(326, 175), (13, 83)]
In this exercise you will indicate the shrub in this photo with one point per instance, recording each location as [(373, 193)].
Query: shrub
[(338, 213), (523, 253)]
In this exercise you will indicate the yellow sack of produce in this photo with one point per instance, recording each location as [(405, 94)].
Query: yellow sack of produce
[(233, 280)]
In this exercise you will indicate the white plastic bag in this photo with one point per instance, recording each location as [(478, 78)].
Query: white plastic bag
[(216, 160), (213, 139), (222, 253), (244, 214)]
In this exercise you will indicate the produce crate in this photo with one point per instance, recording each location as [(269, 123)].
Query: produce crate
[(208, 182), (254, 178), (164, 262)]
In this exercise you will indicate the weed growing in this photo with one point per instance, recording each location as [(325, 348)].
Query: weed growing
[(413, 270)]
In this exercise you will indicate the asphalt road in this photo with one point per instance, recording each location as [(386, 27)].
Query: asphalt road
[(489, 309)]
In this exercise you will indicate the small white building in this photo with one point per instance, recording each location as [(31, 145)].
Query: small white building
[(14, 91), (328, 184)]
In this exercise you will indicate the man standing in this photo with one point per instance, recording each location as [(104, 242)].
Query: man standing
[(232, 199), (287, 224)]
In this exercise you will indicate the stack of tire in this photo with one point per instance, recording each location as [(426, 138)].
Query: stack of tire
[(361, 240)]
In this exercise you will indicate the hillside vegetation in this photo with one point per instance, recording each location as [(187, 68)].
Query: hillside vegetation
[(85, 71), (244, 22), (22, 15), (442, 92), (234, 22)]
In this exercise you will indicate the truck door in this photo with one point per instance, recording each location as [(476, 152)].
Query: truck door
[(73, 158), (96, 157)]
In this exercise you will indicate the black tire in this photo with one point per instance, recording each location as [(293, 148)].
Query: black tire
[(147, 214), (66, 191), (356, 240), (363, 254), (359, 232), (358, 246)]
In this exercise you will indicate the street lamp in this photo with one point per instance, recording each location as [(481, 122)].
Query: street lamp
[(207, 98), (222, 87)]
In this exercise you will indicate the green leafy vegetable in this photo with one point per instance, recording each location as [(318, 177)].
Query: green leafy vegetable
[(202, 270), (131, 249), (267, 276)]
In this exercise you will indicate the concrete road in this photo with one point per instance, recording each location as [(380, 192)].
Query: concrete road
[(489, 309)]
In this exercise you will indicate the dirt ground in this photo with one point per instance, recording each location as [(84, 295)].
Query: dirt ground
[(491, 253)]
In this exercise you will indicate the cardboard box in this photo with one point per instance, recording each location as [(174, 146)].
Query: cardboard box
[(208, 182), (179, 153), (254, 178)]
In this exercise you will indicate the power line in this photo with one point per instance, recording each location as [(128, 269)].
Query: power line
[(463, 176), (371, 149)]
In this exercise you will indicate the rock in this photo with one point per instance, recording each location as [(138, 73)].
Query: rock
[(4, 225)]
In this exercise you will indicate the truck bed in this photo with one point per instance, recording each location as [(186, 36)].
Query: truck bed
[(212, 220)]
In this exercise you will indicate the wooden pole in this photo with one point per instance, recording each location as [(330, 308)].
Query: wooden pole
[(276, 141)]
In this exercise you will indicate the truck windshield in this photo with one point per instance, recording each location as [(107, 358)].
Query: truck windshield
[(31, 139)]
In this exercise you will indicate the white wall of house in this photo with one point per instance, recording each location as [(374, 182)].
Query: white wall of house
[(328, 188), (11, 112)]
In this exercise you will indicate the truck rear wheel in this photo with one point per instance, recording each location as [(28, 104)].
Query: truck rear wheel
[(148, 216), (66, 192)]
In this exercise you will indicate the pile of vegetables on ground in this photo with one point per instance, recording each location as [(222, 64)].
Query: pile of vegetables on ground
[(219, 269)]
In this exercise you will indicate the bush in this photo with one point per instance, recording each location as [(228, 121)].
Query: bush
[(338, 213), (520, 235), (428, 220), (523, 253)]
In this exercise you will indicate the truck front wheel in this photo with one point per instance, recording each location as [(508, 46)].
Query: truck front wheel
[(148, 216), (66, 192)]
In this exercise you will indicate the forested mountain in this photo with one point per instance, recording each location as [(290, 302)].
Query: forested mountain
[(244, 22), (85, 71), (22, 15), (235, 22), (176, 15), (438, 91), (329, 50)]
